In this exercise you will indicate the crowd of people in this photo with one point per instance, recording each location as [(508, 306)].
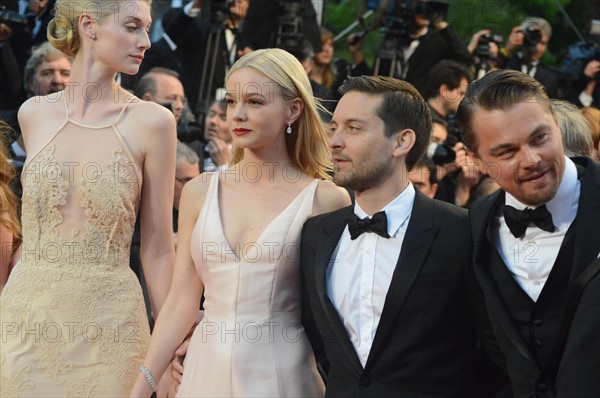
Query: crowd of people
[(296, 224)]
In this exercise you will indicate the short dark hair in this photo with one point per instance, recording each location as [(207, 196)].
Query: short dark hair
[(430, 166), (446, 72), (147, 83), (402, 108), (500, 89)]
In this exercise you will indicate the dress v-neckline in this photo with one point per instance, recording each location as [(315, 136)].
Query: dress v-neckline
[(238, 256)]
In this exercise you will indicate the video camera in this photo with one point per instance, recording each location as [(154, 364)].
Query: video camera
[(217, 11), (289, 31), (399, 16)]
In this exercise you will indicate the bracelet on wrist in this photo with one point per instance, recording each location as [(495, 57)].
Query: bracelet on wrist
[(149, 377)]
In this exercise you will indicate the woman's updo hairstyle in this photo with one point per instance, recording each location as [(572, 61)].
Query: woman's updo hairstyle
[(63, 31)]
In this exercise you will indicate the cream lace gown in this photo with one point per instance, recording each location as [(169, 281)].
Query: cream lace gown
[(72, 312), (250, 342)]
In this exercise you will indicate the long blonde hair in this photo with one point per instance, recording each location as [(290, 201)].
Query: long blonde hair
[(307, 145), (9, 218)]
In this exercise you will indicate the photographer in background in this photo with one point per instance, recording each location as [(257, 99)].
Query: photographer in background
[(525, 47), (448, 81), (24, 36), (485, 48), (217, 148), (585, 91), (190, 30), (429, 40), (259, 32)]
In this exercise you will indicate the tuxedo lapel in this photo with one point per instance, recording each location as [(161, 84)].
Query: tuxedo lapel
[(587, 220), (419, 237), (485, 256), (330, 235)]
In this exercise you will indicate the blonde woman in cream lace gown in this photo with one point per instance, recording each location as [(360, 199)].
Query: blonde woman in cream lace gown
[(73, 316)]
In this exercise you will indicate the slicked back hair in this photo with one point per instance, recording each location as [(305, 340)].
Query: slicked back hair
[(500, 89)]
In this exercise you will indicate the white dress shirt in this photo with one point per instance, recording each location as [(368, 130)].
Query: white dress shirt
[(531, 257), (360, 272)]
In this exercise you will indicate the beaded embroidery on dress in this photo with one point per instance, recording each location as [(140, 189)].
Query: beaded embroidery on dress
[(73, 316)]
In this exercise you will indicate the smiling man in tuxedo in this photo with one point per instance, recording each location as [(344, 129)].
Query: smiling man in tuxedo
[(384, 280), (537, 240)]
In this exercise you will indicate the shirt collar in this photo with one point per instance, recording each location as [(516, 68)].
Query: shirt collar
[(397, 211), (561, 205)]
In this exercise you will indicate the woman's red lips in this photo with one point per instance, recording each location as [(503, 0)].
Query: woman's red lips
[(240, 131)]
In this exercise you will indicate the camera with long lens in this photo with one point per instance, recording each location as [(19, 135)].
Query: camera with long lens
[(442, 153), (289, 31), (483, 45), (531, 38)]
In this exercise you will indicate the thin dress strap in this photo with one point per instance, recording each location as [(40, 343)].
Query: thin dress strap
[(32, 156), (119, 136)]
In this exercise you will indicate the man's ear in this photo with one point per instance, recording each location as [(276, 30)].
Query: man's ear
[(296, 106), (147, 97), (405, 140), (443, 90), (482, 168)]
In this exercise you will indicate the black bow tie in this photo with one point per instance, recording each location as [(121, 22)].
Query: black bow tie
[(377, 224), (518, 220)]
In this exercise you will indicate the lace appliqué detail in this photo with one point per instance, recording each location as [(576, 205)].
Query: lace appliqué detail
[(86, 387), (14, 383), (83, 278)]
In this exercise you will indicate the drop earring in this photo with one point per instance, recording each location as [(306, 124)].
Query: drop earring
[(289, 128)]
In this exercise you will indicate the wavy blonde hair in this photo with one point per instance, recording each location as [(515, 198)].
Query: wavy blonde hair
[(62, 29), (307, 145), (9, 218)]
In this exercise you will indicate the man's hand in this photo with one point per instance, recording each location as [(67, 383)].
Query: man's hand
[(355, 44), (515, 39), (475, 39), (220, 151), (177, 363), (246, 50), (591, 69), (5, 32), (166, 385)]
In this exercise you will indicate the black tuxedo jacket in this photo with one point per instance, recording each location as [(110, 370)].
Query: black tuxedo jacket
[(191, 37), (542, 75), (434, 47), (579, 370), (424, 340)]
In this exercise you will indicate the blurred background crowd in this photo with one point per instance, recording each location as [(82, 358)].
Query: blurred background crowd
[(437, 45)]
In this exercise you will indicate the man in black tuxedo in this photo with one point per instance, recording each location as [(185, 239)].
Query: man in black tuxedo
[(190, 29), (535, 240), (384, 301), (525, 47)]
